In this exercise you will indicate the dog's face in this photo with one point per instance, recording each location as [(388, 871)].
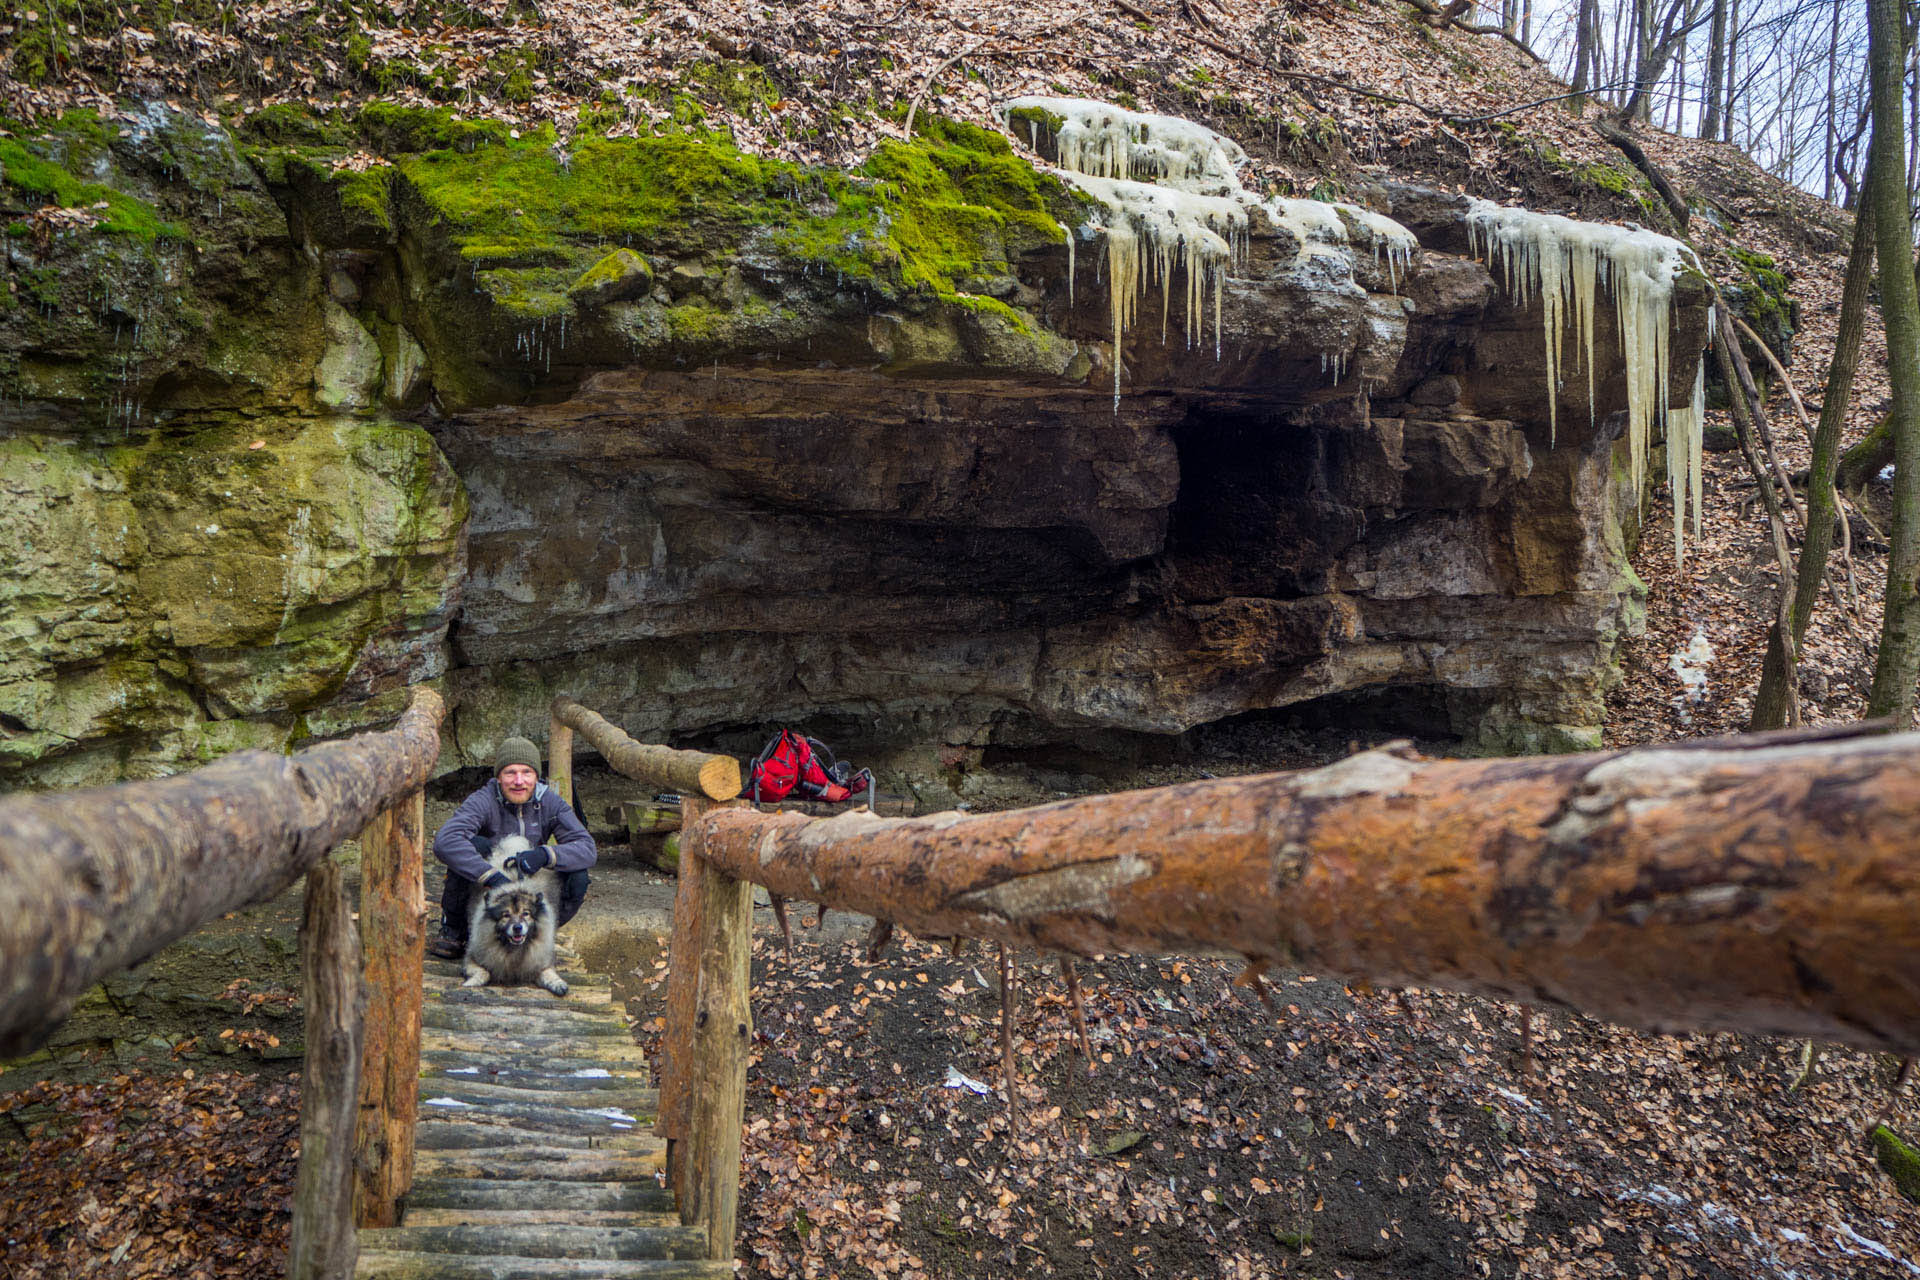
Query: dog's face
[(515, 913)]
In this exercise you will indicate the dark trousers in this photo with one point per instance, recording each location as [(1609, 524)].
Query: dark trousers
[(456, 897)]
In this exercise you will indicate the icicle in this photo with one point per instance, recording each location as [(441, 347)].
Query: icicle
[(1173, 203), (1564, 261)]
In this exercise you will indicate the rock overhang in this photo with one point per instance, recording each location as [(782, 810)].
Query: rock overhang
[(759, 488)]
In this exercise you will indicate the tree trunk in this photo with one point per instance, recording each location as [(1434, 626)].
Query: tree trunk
[(1829, 130), (323, 1241), (690, 772), (94, 881), (1733, 70), (1898, 664), (393, 931), (1771, 703), (1868, 456), (1757, 885), (1585, 24), (1716, 70)]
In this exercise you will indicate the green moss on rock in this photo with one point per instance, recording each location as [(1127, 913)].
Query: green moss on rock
[(36, 169), (1762, 297), (1900, 1161), (621, 275)]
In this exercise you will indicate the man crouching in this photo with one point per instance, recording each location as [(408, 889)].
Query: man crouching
[(515, 803)]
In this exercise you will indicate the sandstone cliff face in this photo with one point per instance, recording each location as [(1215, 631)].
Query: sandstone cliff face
[(709, 443)]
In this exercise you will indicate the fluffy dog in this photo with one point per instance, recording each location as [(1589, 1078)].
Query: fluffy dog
[(510, 935)]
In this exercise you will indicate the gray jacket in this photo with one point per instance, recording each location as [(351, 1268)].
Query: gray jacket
[(488, 813)]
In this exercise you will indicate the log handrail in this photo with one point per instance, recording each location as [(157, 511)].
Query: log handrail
[(95, 881), (691, 772), (1763, 884)]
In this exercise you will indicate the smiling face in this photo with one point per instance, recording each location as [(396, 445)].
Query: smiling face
[(517, 781)]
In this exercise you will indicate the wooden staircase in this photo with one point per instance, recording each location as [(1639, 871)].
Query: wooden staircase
[(534, 1156)]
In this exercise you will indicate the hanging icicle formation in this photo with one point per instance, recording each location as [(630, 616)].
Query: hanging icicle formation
[(1174, 204), (1563, 263), (1172, 201)]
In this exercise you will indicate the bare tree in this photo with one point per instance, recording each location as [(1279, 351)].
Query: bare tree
[(1898, 664)]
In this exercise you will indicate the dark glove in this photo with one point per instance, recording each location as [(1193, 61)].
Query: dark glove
[(495, 880), (531, 860)]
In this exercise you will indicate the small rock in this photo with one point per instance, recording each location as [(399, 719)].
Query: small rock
[(621, 275)]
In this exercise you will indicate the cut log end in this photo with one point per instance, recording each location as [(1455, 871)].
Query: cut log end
[(720, 777)]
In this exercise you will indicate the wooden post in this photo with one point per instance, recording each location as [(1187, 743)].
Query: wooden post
[(324, 1247), (393, 931), (676, 1042), (722, 1035), (560, 759)]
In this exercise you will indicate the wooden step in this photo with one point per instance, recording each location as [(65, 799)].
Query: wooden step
[(546, 1073), (528, 997), (451, 975), (540, 1241), (531, 1045), (382, 1265), (520, 1162), (450, 1135), (510, 1193), (549, 1069), (533, 1117), (520, 1020), (457, 971), (539, 1217), (631, 1096)]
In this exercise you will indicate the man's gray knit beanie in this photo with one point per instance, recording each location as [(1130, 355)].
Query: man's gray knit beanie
[(516, 751)]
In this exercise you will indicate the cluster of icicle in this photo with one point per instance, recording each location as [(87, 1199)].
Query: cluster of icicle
[(1174, 204), (1563, 262)]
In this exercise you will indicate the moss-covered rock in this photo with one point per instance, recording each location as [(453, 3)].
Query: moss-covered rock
[(621, 275), (1900, 1161), (222, 589), (1762, 297), (184, 293)]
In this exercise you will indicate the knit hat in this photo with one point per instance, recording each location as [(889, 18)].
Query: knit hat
[(516, 751)]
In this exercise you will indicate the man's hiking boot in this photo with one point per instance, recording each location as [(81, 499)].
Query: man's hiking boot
[(446, 947)]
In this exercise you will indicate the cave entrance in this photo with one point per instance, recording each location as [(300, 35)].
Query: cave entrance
[(1259, 512)]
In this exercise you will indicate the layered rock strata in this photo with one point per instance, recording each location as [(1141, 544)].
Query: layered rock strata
[(710, 443)]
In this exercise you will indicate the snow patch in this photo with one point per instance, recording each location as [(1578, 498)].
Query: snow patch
[(611, 1113), (956, 1080), (446, 1102), (1690, 665), (592, 1073), (1871, 1247), (463, 1071)]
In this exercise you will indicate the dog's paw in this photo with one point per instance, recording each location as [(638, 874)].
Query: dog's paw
[(553, 982), (476, 976)]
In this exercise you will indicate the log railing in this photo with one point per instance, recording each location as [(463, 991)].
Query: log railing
[(92, 882), (1761, 884)]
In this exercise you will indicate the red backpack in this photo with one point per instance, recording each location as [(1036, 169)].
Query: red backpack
[(805, 769)]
